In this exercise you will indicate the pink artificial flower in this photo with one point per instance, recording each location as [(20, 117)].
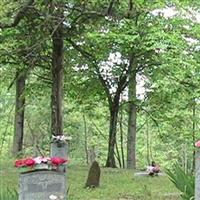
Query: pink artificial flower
[(197, 144), (37, 160), (40, 159), (45, 159)]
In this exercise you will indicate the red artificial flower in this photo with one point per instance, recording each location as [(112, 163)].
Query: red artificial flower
[(29, 162), (57, 161), (19, 163)]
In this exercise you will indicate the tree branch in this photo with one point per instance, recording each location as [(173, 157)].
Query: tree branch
[(123, 81), (45, 79), (105, 86), (19, 16), (83, 52), (153, 119), (93, 61), (15, 78), (99, 131)]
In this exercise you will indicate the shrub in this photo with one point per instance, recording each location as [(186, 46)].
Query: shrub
[(184, 182)]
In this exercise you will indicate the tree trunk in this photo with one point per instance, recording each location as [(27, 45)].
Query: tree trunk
[(110, 162), (147, 142), (19, 113), (131, 135), (85, 142), (117, 155), (91, 154), (193, 133), (122, 137), (57, 74)]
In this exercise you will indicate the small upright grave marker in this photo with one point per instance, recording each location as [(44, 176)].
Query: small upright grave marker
[(93, 175)]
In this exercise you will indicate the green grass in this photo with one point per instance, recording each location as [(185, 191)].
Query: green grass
[(115, 184)]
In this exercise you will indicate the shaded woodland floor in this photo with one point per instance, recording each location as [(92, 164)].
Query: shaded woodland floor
[(115, 184)]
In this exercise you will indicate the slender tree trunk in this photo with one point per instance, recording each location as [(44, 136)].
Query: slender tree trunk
[(19, 113), (86, 143), (57, 73), (121, 137), (193, 133), (148, 141), (185, 158), (118, 155), (91, 154), (131, 135), (110, 162)]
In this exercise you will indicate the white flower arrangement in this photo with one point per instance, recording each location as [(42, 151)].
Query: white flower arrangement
[(61, 137)]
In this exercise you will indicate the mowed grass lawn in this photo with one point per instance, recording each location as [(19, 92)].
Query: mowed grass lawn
[(115, 184)]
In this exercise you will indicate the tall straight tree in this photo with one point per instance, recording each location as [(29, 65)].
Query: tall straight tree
[(131, 135), (19, 113), (57, 68), (20, 77)]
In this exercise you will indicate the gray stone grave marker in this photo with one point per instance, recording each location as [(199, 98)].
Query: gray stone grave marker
[(60, 150), (197, 176), (43, 185)]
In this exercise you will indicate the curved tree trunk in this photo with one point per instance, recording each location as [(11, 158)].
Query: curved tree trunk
[(19, 113), (110, 162), (57, 74), (131, 136)]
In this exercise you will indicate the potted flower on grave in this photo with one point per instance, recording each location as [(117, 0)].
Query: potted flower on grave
[(40, 163)]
